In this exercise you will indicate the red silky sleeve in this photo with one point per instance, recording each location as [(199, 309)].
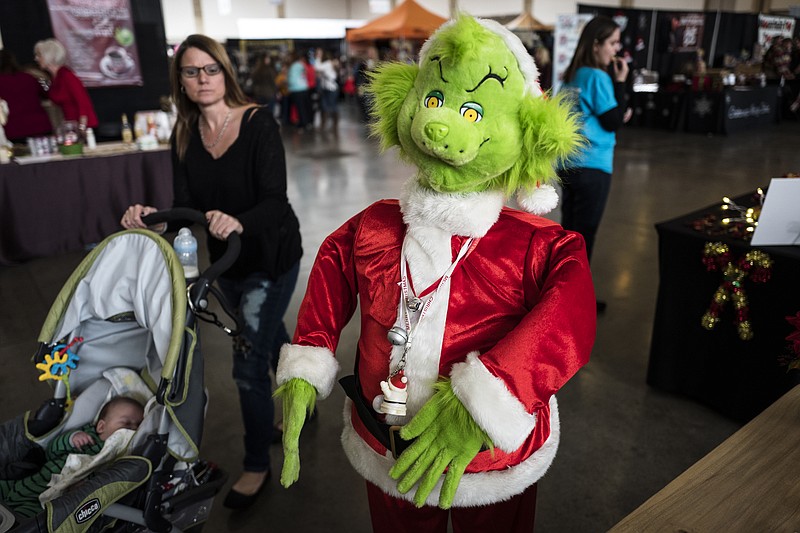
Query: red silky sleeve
[(554, 339), (331, 294)]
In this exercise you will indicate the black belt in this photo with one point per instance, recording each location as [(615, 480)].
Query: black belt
[(386, 434)]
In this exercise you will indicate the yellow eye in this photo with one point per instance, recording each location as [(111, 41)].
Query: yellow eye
[(472, 111), (434, 99)]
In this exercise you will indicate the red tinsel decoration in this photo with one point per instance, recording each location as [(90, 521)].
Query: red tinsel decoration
[(755, 264)]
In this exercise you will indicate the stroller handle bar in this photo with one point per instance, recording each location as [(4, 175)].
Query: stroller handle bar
[(193, 215)]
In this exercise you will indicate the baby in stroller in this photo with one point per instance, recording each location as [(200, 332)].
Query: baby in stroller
[(22, 495), (122, 325)]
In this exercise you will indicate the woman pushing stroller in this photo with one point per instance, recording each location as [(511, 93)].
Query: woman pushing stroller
[(229, 163)]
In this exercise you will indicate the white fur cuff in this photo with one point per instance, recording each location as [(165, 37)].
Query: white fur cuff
[(498, 412), (316, 365)]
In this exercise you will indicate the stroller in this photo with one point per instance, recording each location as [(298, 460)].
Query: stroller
[(124, 324)]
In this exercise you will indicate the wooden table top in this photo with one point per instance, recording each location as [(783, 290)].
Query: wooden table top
[(749, 483)]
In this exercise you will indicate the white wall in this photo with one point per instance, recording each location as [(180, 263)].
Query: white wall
[(179, 16), (180, 21), (672, 5)]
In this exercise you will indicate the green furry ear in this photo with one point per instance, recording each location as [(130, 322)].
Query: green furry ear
[(390, 84), (549, 136)]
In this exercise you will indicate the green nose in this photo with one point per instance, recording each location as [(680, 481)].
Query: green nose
[(436, 131)]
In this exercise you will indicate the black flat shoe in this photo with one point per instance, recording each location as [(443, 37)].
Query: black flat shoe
[(237, 501)]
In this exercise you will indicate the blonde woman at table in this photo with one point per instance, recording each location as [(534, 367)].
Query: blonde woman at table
[(66, 90), (229, 163)]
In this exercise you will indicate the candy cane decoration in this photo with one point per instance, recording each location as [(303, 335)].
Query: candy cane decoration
[(754, 264)]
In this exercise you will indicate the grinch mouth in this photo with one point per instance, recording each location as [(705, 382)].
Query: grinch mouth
[(441, 153)]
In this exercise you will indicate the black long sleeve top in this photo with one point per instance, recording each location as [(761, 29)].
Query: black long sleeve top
[(248, 182)]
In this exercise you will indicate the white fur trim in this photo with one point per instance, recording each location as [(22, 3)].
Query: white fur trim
[(316, 365), (465, 214), (428, 253), (498, 412), (524, 60), (539, 201), (474, 490)]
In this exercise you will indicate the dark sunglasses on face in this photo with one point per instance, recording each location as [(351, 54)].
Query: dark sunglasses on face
[(211, 69)]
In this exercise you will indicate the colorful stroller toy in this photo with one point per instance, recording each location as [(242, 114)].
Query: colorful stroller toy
[(123, 324)]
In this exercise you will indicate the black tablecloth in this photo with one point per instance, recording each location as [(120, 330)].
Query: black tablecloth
[(750, 108), (663, 109), (62, 206), (738, 378), (732, 110)]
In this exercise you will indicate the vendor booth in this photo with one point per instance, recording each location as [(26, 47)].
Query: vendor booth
[(716, 346), (701, 72), (50, 205), (408, 20)]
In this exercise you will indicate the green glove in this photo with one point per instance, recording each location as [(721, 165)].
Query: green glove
[(447, 439), (298, 397)]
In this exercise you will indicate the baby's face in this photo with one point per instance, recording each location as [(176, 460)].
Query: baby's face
[(123, 415)]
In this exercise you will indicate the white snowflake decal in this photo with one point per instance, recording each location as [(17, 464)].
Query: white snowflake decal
[(702, 106)]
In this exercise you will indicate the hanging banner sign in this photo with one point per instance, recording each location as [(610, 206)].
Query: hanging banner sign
[(770, 27), (568, 31), (689, 32), (99, 39)]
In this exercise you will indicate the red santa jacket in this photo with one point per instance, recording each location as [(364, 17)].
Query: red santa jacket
[(515, 321)]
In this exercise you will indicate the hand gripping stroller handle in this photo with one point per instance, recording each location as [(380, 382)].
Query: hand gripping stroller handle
[(183, 213)]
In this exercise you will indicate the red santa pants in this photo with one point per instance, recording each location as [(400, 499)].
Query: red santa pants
[(392, 515)]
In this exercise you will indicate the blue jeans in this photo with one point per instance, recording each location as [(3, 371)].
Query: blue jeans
[(329, 101), (260, 304), (585, 192)]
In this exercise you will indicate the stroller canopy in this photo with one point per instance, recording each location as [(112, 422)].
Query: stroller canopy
[(132, 273)]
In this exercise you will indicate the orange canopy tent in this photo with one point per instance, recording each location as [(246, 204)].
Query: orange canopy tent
[(409, 20), (527, 22)]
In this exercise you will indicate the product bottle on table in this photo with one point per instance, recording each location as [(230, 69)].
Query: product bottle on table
[(82, 121), (91, 141), (186, 247), (127, 133)]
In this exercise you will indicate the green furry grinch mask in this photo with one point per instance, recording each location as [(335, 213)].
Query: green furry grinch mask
[(471, 115)]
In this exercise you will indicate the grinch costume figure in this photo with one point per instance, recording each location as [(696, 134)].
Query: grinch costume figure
[(473, 314)]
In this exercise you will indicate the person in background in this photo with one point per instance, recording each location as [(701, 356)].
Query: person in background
[(229, 162), (263, 82), (779, 69), (120, 412), (24, 95), (542, 56), (600, 100), (309, 62), (361, 78), (299, 96), (282, 92), (66, 90), (327, 68)]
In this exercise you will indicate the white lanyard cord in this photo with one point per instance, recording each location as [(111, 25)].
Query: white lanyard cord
[(410, 331)]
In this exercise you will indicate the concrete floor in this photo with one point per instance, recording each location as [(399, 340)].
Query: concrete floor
[(622, 440)]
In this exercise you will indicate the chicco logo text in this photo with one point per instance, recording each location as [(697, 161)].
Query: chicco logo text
[(86, 511)]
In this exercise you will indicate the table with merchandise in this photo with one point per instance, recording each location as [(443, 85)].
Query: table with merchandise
[(722, 313), (54, 204)]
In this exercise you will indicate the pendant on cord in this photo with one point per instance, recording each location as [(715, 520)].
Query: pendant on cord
[(395, 395), (413, 304)]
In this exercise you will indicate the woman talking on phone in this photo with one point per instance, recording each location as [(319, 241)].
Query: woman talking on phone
[(600, 99)]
